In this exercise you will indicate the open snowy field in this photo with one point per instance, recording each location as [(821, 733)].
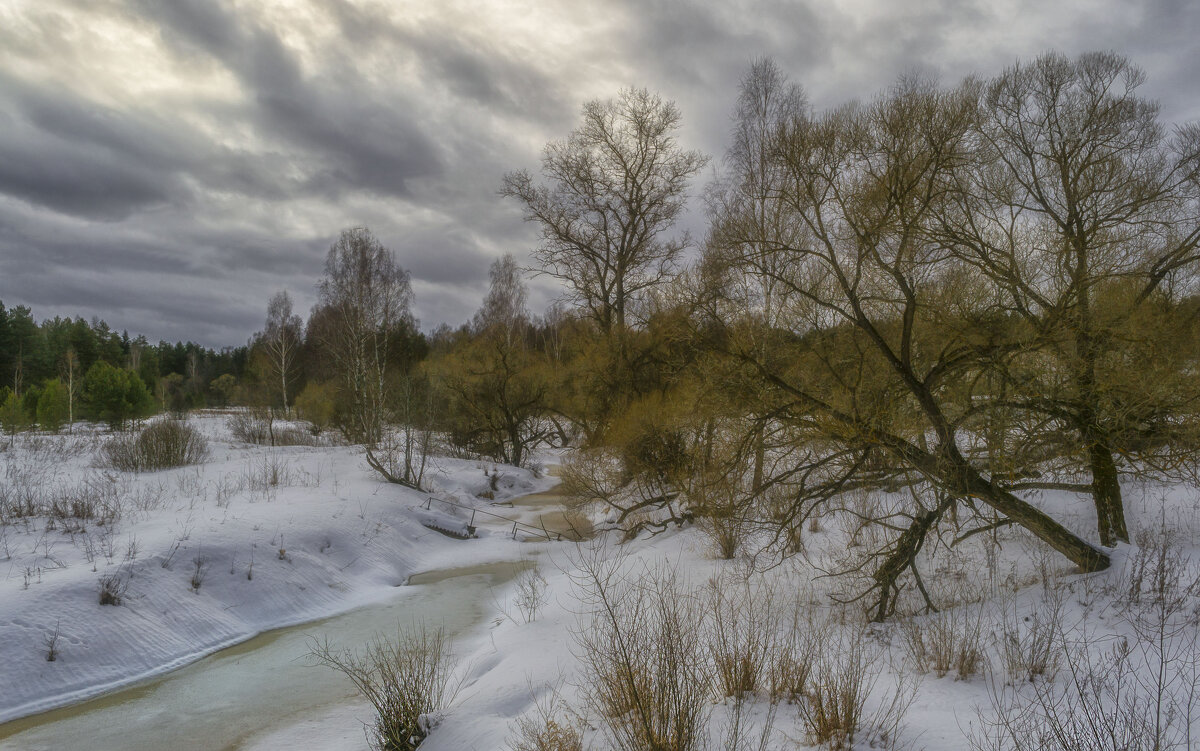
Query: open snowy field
[(257, 538), (204, 556)]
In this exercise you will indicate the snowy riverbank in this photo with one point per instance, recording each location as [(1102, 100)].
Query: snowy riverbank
[(206, 556)]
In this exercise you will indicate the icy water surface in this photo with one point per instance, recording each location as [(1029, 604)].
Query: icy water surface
[(232, 696)]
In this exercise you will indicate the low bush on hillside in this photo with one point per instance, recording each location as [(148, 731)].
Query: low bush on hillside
[(160, 445)]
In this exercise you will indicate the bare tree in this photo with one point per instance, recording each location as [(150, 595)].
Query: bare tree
[(495, 383), (504, 307), (613, 190), (747, 217), (367, 296), (1081, 210), (69, 370), (281, 338)]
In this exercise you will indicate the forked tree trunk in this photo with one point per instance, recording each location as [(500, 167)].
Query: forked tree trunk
[(1106, 493)]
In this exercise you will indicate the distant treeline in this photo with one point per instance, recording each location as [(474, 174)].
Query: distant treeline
[(63, 351)]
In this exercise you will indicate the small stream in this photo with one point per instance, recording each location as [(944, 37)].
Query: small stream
[(226, 699)]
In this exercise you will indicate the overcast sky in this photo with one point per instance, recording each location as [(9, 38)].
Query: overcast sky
[(169, 164)]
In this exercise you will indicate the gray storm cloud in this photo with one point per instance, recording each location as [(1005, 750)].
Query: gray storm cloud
[(168, 164)]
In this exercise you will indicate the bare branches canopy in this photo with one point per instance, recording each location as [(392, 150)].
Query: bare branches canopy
[(612, 191)]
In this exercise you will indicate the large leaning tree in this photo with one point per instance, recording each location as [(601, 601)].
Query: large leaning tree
[(884, 330)]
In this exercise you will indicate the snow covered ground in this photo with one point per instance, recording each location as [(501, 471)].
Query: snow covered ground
[(253, 539), (329, 537)]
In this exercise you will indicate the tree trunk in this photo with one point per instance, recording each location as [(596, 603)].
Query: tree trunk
[(958, 477), (902, 556), (760, 451), (1077, 550), (1106, 493)]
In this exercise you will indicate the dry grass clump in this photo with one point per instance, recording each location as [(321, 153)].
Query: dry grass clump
[(741, 634), (112, 588), (1028, 646), (834, 710), (407, 680), (644, 658), (800, 641), (27, 495), (160, 445), (549, 726), (270, 472), (656, 654), (946, 642)]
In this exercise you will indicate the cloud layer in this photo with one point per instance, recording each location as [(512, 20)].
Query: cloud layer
[(168, 164)]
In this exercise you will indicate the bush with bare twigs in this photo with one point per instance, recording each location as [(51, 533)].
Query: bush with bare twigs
[(741, 634), (260, 426), (549, 726), (160, 445), (112, 588), (643, 657), (1134, 690), (835, 711), (531, 593), (800, 641), (408, 681), (1027, 642), (945, 642)]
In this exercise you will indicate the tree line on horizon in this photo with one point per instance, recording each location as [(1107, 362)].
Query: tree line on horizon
[(963, 295)]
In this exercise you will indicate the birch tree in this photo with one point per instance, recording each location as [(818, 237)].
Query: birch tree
[(282, 338)]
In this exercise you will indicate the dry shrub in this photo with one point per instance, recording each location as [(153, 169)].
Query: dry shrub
[(112, 588), (20, 498), (1159, 578), (160, 445), (725, 529), (531, 593), (796, 650), (270, 472), (1027, 642), (408, 681), (260, 427), (249, 427), (549, 726), (945, 642), (834, 710), (722, 503), (591, 476), (1134, 690), (741, 634), (741, 730), (643, 657), (93, 499)]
